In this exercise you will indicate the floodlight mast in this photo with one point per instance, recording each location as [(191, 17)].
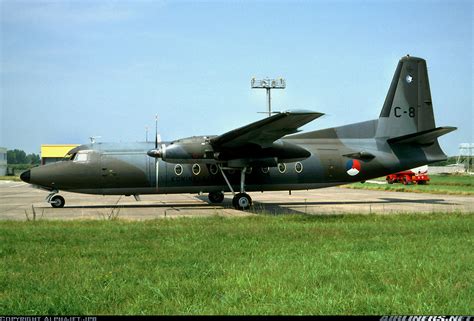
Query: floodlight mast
[(268, 84)]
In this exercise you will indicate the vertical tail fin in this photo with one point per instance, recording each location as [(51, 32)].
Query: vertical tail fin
[(408, 108)]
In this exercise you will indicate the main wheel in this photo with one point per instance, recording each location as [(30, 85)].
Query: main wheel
[(57, 201), (216, 197), (241, 201)]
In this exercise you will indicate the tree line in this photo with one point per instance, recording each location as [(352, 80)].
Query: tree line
[(18, 156)]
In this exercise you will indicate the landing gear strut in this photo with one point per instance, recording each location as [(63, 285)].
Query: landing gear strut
[(242, 200), (56, 201)]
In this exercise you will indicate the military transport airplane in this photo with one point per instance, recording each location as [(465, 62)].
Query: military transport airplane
[(265, 155)]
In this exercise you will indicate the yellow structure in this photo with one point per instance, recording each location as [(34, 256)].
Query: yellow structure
[(53, 153)]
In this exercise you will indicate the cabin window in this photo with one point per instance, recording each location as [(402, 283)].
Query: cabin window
[(265, 170), (213, 169), (298, 167), (282, 167), (178, 169), (196, 169)]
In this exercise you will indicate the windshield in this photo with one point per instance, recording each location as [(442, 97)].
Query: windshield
[(69, 157)]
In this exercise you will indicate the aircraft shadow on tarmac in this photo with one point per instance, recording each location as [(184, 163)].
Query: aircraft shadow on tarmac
[(279, 208), (271, 207)]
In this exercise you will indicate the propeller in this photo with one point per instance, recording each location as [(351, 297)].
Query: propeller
[(156, 152), (157, 136)]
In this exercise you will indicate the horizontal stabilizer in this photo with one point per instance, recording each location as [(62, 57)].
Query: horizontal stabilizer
[(426, 137)]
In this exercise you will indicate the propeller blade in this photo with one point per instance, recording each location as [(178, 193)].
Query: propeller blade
[(156, 131)]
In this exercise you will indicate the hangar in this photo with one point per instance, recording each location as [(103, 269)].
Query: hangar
[(52, 153)]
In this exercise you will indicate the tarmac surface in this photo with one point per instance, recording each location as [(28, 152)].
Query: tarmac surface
[(18, 199)]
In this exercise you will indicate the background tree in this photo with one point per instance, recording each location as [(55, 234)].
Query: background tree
[(18, 156), (33, 159)]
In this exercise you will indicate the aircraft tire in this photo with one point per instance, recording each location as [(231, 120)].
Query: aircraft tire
[(57, 201), (242, 201), (216, 197)]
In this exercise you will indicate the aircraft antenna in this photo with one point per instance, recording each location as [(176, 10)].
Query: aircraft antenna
[(93, 138), (268, 84)]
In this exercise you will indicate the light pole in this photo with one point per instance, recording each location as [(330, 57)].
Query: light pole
[(268, 84)]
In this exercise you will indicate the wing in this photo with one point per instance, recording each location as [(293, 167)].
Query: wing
[(264, 132)]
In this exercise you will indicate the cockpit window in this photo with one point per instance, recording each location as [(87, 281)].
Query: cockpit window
[(69, 157), (81, 157)]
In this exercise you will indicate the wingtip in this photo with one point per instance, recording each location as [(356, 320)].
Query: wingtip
[(303, 112)]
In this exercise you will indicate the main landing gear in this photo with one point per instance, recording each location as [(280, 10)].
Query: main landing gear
[(56, 201), (242, 200), (216, 197)]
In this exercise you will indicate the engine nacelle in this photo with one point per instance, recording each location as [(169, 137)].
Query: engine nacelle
[(198, 149), (187, 150)]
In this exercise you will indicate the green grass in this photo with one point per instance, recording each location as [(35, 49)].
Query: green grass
[(10, 178), (452, 180), (438, 184), (295, 264)]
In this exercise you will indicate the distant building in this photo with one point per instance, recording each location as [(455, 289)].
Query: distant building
[(3, 161), (448, 169), (54, 153)]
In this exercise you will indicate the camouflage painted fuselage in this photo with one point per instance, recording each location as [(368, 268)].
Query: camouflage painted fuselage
[(126, 169)]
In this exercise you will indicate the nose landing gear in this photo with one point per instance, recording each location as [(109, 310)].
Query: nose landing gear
[(56, 201)]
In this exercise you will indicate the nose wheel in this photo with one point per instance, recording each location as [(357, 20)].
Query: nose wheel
[(56, 201)]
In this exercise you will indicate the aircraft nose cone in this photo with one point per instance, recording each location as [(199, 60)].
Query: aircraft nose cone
[(26, 176)]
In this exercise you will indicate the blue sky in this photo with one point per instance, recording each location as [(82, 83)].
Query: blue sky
[(74, 69)]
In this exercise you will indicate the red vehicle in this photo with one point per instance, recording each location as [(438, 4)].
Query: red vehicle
[(408, 177)]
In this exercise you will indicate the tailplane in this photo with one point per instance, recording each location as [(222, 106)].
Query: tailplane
[(426, 137)]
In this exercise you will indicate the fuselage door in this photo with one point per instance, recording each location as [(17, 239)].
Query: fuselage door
[(125, 170)]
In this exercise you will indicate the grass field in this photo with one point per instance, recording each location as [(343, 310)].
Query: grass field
[(10, 178), (295, 264), (439, 184)]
